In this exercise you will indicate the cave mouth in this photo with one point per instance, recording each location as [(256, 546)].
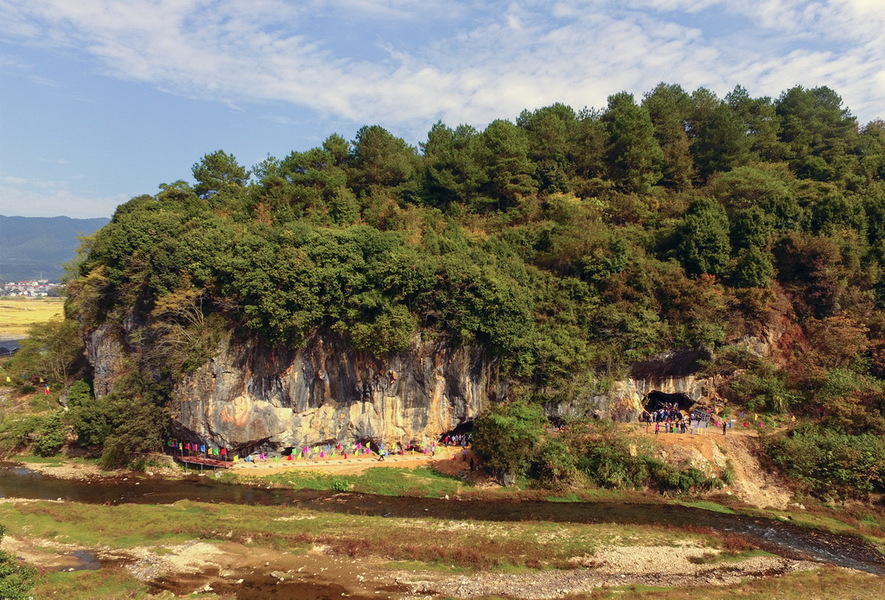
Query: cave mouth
[(657, 400), (465, 428)]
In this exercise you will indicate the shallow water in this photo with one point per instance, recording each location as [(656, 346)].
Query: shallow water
[(774, 536)]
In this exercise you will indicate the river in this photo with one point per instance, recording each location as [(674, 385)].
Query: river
[(778, 537)]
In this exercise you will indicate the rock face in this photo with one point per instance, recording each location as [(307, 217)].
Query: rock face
[(254, 397), (251, 396), (106, 352), (672, 373)]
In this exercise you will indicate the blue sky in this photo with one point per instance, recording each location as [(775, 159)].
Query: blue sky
[(103, 100)]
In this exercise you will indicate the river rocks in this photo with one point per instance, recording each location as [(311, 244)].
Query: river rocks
[(608, 567)]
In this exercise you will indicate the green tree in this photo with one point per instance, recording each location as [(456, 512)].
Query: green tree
[(216, 172), (721, 143), (503, 151), (818, 133), (760, 121), (53, 351), (588, 165), (751, 228), (871, 150), (754, 268), (634, 155), (669, 108), (451, 171), (380, 159), (506, 437), (836, 212), (704, 103), (551, 135), (768, 187), (139, 430), (702, 242)]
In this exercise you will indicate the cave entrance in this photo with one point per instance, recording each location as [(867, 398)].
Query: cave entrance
[(657, 400), (461, 429)]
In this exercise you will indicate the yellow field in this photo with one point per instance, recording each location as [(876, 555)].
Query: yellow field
[(18, 314)]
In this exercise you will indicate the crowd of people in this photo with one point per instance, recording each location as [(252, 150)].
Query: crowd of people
[(378, 450), (669, 418)]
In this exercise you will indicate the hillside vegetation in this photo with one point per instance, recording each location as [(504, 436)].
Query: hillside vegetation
[(570, 244)]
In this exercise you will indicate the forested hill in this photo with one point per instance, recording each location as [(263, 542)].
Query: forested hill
[(569, 243), (37, 247)]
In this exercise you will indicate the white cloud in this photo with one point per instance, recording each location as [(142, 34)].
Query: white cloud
[(24, 197), (492, 59)]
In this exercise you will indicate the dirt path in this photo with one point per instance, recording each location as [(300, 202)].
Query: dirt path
[(752, 483), (442, 461), (712, 452)]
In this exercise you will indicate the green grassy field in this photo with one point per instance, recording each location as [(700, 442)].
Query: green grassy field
[(18, 314)]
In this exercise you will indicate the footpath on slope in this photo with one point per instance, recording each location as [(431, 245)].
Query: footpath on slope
[(752, 482)]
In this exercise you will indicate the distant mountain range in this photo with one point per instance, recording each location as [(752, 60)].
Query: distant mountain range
[(37, 247)]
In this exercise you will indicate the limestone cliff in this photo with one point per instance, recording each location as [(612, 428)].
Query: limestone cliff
[(251, 396)]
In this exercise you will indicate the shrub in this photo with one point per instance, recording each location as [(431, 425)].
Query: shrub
[(15, 432), (16, 580), (556, 463), (507, 436), (140, 431), (831, 464), (51, 435), (47, 433), (610, 460)]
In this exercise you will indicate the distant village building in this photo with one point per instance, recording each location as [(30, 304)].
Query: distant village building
[(36, 288)]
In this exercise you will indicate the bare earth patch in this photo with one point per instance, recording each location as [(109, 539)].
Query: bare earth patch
[(610, 566), (711, 452), (229, 567), (200, 566)]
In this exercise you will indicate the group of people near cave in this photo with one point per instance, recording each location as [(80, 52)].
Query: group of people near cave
[(668, 418), (380, 450)]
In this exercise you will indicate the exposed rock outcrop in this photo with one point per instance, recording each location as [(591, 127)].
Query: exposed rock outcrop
[(252, 395)]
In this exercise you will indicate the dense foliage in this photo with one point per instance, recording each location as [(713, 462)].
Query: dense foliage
[(832, 464), (515, 440), (569, 244)]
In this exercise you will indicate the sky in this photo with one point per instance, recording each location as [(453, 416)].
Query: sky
[(104, 100)]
